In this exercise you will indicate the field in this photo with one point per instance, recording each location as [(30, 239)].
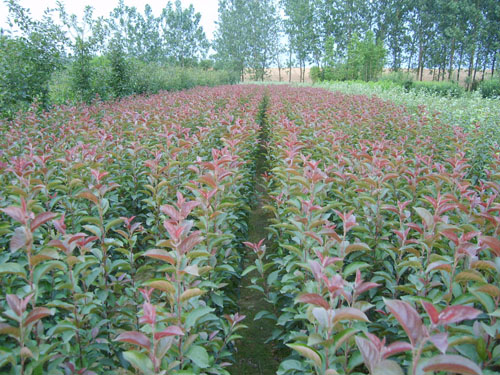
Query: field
[(273, 75), (249, 229)]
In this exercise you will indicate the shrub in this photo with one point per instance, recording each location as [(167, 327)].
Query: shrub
[(316, 74), (109, 76), (439, 88), (490, 88), (398, 78)]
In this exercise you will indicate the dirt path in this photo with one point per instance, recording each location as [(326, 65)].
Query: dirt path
[(254, 356)]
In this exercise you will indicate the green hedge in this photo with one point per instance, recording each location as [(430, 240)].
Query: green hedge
[(439, 88), (490, 88), (142, 78)]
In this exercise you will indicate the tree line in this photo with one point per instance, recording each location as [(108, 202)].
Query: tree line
[(76, 58), (442, 35)]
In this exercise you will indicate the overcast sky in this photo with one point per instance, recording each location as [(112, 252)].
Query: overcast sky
[(207, 8)]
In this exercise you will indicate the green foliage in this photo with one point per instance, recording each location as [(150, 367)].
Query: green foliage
[(364, 61), (316, 74), (27, 60), (439, 88), (398, 78), (119, 79), (184, 39), (245, 37), (490, 88), (81, 71), (365, 58), (467, 111), (140, 78)]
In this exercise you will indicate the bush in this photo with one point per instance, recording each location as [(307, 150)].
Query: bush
[(315, 74), (490, 88), (397, 78), (439, 88), (25, 71), (107, 79)]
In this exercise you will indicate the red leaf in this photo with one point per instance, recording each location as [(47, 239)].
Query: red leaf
[(369, 351), (134, 337), (209, 180), (409, 319), (314, 236), (492, 242), (190, 242), (169, 331), (160, 254), (314, 299), (41, 219), (16, 213), (36, 314), (14, 303), (170, 211), (455, 314), (19, 239), (440, 341), (452, 363), (187, 207), (395, 348), (349, 313), (90, 196), (431, 311), (175, 231), (451, 235), (364, 287), (439, 265)]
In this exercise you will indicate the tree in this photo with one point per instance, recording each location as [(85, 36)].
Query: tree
[(119, 80), (27, 60), (245, 35), (184, 39), (87, 38), (301, 31), (365, 58)]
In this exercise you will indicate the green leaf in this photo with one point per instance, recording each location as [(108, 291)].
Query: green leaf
[(307, 352), (199, 356), (353, 267), (43, 269), (248, 270), (13, 268), (196, 314), (94, 230), (388, 367), (113, 223), (426, 216), (139, 361)]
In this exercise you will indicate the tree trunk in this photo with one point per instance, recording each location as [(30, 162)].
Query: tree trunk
[(290, 66), (452, 53), (409, 61), (471, 65), (493, 64), (420, 68), (460, 63), (484, 65), (475, 69)]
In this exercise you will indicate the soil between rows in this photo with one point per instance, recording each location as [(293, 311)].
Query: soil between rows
[(254, 356)]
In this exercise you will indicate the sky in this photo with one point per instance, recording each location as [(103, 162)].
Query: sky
[(207, 8)]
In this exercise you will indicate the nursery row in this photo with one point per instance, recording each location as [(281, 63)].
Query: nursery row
[(124, 232), (121, 230), (386, 239)]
